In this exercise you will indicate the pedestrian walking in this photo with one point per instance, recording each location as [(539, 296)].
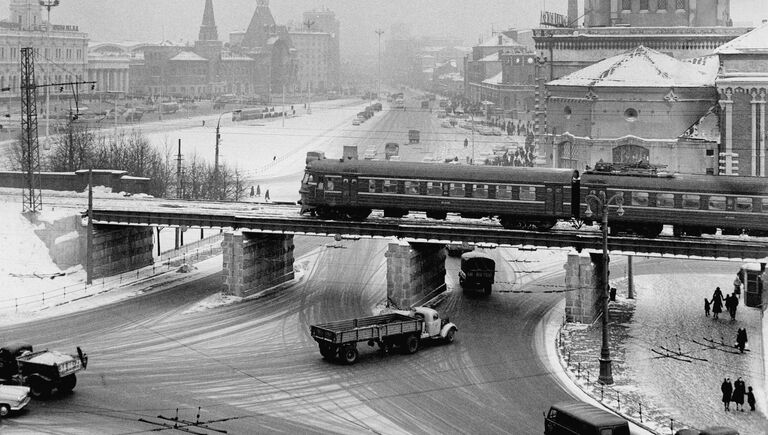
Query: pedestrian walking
[(739, 390), (718, 294), (266, 195), (751, 399), (717, 307), (258, 190), (727, 389), (466, 142), (741, 339), (734, 306), (252, 192), (707, 306), (728, 305)]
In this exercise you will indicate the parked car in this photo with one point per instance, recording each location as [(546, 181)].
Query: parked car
[(355, 121), (13, 398)]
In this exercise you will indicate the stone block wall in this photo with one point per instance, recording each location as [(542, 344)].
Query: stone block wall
[(415, 272), (584, 288), (118, 249), (256, 261)]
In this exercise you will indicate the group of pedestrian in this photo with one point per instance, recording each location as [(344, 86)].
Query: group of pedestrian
[(257, 192), (736, 393), (730, 302)]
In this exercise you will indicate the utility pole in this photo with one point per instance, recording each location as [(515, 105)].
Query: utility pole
[(283, 104), (48, 4), (379, 32), (179, 187), (89, 236)]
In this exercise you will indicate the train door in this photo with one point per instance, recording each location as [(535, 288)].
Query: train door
[(549, 199), (558, 200), (349, 190)]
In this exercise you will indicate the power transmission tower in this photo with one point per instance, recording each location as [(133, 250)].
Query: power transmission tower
[(30, 147)]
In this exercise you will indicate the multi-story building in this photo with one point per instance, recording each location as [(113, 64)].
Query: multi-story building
[(109, 66), (61, 50), (313, 59), (681, 29), (324, 20)]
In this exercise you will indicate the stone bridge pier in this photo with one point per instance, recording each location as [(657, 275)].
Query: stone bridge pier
[(584, 287), (120, 248), (415, 272), (256, 261)]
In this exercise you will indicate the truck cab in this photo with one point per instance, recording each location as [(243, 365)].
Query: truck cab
[(434, 325)]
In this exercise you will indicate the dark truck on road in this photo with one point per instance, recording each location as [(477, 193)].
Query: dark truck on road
[(402, 329), (478, 271), (42, 371), (413, 136)]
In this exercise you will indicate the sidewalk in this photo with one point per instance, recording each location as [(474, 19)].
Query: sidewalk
[(664, 366)]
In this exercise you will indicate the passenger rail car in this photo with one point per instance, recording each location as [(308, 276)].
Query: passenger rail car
[(522, 197)]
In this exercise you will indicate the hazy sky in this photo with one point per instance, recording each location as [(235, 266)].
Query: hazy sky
[(151, 20)]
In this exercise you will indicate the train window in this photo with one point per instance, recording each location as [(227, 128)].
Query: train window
[(434, 188), (527, 193), (457, 189), (480, 191), (330, 184), (412, 187), (744, 204), (666, 200), (717, 203), (505, 192), (691, 202), (764, 205), (372, 186), (390, 186), (640, 199)]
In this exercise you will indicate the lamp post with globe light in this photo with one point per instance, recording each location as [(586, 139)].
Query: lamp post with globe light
[(601, 203)]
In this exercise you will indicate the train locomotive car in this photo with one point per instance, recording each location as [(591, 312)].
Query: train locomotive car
[(522, 197)]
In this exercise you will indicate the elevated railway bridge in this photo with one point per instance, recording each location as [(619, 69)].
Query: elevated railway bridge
[(258, 244)]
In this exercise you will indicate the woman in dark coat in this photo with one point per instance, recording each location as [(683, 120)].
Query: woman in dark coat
[(717, 307), (727, 390), (739, 390)]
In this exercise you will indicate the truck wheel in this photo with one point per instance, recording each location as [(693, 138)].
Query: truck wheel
[(449, 335), (349, 355), (68, 383), (4, 409), (39, 387), (411, 344)]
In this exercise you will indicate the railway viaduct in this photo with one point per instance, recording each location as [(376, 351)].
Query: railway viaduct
[(258, 247)]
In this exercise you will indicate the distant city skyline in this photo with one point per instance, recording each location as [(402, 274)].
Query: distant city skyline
[(179, 20)]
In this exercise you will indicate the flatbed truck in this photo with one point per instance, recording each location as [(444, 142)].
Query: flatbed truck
[(402, 329)]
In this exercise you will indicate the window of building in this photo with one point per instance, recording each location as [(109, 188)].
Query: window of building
[(681, 5), (527, 193), (661, 5), (644, 5), (14, 53), (717, 203), (626, 5), (665, 200), (640, 199), (691, 202), (630, 115)]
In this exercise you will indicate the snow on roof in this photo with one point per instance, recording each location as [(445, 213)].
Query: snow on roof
[(755, 41), (643, 67), (495, 80), (188, 55), (493, 41)]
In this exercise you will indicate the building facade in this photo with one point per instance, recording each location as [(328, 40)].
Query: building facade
[(61, 50), (313, 60), (639, 106), (324, 20), (742, 87)]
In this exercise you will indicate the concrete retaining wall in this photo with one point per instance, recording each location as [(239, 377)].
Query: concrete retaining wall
[(584, 287)]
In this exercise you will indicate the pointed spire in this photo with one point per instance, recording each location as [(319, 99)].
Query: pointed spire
[(208, 28)]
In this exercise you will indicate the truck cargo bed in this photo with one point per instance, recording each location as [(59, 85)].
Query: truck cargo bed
[(365, 328)]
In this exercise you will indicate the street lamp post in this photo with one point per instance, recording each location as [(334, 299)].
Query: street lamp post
[(379, 32), (602, 204), (216, 158)]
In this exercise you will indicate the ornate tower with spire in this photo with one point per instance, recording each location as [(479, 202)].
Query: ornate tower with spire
[(208, 28)]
